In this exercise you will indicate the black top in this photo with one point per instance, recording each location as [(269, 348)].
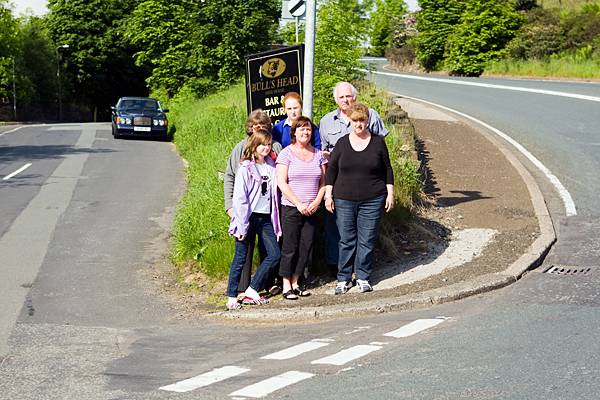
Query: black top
[(359, 175)]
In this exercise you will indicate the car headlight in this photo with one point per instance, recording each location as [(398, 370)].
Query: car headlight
[(162, 122), (127, 121), (155, 122)]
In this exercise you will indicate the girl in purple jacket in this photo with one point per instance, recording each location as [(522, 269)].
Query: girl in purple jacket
[(255, 209)]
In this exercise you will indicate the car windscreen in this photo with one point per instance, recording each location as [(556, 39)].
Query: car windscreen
[(137, 105)]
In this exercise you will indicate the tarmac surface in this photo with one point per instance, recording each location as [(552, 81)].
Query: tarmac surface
[(488, 213)]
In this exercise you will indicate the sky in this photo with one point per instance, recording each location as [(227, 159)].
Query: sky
[(39, 6)]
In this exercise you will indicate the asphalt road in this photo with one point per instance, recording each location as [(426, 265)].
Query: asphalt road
[(82, 320), (81, 224)]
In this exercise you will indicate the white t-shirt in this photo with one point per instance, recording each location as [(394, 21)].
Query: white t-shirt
[(263, 206)]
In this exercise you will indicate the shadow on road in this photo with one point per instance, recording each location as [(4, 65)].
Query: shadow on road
[(43, 152)]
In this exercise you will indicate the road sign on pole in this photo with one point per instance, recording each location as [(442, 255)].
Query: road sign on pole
[(297, 8), (309, 58)]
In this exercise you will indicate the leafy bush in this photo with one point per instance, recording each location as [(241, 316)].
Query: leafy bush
[(383, 20), (536, 41), (581, 28), (485, 28), (402, 56), (435, 22)]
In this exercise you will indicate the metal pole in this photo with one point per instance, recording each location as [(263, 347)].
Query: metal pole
[(14, 90), (297, 29), (309, 57), (58, 57), (59, 88)]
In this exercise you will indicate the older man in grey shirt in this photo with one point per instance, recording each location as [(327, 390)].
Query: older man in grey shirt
[(332, 127), (336, 124)]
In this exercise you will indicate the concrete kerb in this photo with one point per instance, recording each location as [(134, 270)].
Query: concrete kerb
[(477, 285)]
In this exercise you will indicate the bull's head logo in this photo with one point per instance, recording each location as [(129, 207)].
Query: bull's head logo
[(272, 68)]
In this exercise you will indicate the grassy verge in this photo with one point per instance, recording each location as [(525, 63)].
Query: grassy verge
[(206, 131), (552, 68)]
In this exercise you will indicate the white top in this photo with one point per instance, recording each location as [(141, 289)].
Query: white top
[(264, 202)]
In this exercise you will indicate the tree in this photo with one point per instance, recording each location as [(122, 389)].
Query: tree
[(485, 27), (97, 64), (435, 22), (200, 44), (383, 21), (338, 48), (8, 48), (38, 61)]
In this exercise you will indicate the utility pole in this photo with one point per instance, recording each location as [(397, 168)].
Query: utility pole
[(58, 58), (14, 85), (309, 57)]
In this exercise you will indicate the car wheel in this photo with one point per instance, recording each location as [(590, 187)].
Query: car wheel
[(115, 133)]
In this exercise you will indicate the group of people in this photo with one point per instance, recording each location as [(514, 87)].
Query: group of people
[(276, 181)]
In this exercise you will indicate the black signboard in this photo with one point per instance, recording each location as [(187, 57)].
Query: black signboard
[(272, 74)]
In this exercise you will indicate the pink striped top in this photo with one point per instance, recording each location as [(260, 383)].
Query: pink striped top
[(303, 176)]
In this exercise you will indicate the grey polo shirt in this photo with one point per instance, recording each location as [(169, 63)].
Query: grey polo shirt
[(332, 127)]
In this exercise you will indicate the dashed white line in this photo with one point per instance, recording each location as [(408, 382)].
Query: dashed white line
[(216, 375), (267, 386), (414, 327), (23, 168), (347, 355), (295, 351)]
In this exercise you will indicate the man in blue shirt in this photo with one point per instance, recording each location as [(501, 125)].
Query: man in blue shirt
[(332, 127)]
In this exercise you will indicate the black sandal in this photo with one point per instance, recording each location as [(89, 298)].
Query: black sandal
[(301, 292), (290, 295)]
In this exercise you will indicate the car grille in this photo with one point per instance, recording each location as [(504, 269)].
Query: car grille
[(144, 121)]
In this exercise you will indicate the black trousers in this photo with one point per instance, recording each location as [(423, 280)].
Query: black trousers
[(298, 237)]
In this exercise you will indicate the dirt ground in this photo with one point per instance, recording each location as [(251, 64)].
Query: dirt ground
[(469, 184)]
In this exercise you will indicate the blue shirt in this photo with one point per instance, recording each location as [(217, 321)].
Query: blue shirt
[(333, 127), (282, 133)]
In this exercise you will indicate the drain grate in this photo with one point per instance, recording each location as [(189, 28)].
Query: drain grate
[(568, 270)]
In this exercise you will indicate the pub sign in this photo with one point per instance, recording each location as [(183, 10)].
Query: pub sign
[(270, 75)]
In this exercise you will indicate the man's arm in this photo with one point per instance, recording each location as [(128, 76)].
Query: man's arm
[(376, 126), (229, 178)]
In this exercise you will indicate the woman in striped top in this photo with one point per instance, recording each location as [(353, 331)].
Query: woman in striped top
[(301, 179)]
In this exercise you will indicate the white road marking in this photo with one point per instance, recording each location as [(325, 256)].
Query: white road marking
[(491, 85), (324, 340), (23, 168), (358, 329), (65, 128), (267, 386), (216, 375), (347, 355), (564, 194), (414, 327), (379, 343), (295, 351)]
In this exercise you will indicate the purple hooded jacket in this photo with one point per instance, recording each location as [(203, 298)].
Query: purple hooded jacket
[(246, 192)]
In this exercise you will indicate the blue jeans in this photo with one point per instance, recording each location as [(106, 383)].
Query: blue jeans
[(358, 224), (259, 224), (332, 239)]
